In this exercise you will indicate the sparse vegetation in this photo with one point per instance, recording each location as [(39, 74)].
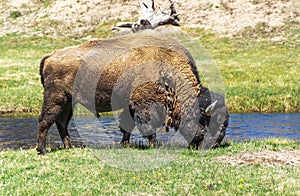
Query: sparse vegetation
[(15, 14), (45, 3)]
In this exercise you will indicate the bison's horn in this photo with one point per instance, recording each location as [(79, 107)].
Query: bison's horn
[(210, 108)]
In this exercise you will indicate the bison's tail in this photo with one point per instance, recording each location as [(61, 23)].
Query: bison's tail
[(42, 67)]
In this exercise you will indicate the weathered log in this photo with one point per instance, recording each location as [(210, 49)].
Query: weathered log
[(151, 18)]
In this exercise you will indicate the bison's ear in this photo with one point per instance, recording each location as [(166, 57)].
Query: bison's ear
[(210, 108)]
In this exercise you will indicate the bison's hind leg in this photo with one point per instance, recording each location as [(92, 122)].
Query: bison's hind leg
[(126, 126), (54, 107), (62, 122)]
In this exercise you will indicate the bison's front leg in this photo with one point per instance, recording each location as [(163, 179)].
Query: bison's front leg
[(197, 140), (125, 139), (152, 140)]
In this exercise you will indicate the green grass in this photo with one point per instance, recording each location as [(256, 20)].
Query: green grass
[(259, 75), (15, 14), (80, 172), (20, 86)]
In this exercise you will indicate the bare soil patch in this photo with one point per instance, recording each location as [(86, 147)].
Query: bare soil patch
[(264, 158)]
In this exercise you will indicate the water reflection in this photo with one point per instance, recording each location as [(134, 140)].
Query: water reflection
[(22, 132)]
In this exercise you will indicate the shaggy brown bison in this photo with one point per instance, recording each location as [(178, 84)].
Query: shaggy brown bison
[(152, 78)]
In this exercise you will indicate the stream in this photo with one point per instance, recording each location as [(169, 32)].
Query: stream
[(16, 133)]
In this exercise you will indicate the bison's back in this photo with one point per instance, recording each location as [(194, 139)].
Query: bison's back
[(101, 67)]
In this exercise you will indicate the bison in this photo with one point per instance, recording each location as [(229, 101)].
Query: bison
[(152, 78)]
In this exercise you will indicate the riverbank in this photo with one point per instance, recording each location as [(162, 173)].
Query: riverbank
[(81, 171)]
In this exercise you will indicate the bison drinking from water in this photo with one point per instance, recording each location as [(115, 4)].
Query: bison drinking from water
[(151, 78)]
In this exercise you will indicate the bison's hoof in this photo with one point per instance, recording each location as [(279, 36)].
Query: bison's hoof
[(68, 146), (67, 142), (125, 144), (153, 145), (42, 151)]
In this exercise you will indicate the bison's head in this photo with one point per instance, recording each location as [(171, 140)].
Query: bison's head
[(213, 119), (206, 107)]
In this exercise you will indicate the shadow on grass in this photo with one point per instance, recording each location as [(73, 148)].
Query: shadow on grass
[(224, 145), (136, 146)]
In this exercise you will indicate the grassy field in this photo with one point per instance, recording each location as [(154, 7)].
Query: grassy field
[(20, 86), (260, 72), (80, 172)]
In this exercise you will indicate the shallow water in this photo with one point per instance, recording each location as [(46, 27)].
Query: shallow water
[(249, 126), (18, 133)]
